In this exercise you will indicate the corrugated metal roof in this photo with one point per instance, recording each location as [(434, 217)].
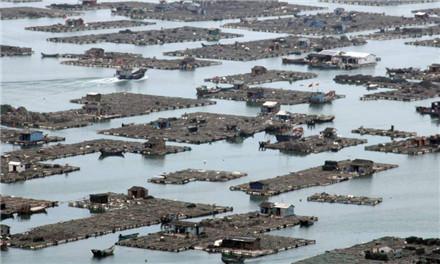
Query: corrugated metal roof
[(270, 104), (282, 205), (329, 52), (353, 54), (356, 54)]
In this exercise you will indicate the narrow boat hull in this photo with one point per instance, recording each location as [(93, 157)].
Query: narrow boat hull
[(136, 75), (232, 259), (102, 253), (45, 55), (129, 236), (110, 152)]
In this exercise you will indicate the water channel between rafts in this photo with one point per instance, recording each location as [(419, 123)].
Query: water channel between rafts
[(411, 192)]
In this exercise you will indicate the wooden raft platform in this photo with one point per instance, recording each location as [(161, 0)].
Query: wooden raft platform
[(327, 140), (354, 22), (384, 132), (261, 75), (343, 199), (33, 156), (12, 136), (268, 48), (190, 175), (393, 250), (146, 37), (411, 146), (250, 225), (12, 205), (96, 108), (332, 172), (194, 128), (98, 25), (140, 212)]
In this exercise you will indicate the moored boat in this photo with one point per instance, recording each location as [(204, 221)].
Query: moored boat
[(434, 110), (46, 55), (288, 60), (126, 124), (324, 118), (28, 210), (372, 86), (101, 253), (306, 223), (107, 152), (130, 73), (204, 45), (38, 209), (204, 90), (124, 237), (231, 258)]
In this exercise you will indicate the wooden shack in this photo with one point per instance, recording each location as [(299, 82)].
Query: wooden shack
[(89, 2), (255, 94), (257, 186), (161, 123), (434, 68), (243, 243), (95, 53), (29, 136), (330, 165), (137, 192), (187, 63), (362, 167), (258, 70), (155, 143), (72, 22), (329, 132), (93, 97), (18, 166), (277, 209), (101, 198), (5, 230), (270, 107), (187, 228)]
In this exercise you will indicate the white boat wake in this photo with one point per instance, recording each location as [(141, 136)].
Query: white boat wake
[(116, 80)]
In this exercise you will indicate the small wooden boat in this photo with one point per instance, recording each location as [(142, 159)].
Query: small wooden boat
[(127, 124), (231, 258), (128, 73), (204, 45), (28, 210), (324, 118), (372, 86), (46, 55), (107, 152), (306, 223), (434, 110), (38, 209), (288, 60), (101, 253), (204, 90), (129, 236)]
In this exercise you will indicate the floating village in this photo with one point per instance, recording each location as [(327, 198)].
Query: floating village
[(220, 131)]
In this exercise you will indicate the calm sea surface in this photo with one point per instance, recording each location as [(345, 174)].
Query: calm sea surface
[(411, 192)]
